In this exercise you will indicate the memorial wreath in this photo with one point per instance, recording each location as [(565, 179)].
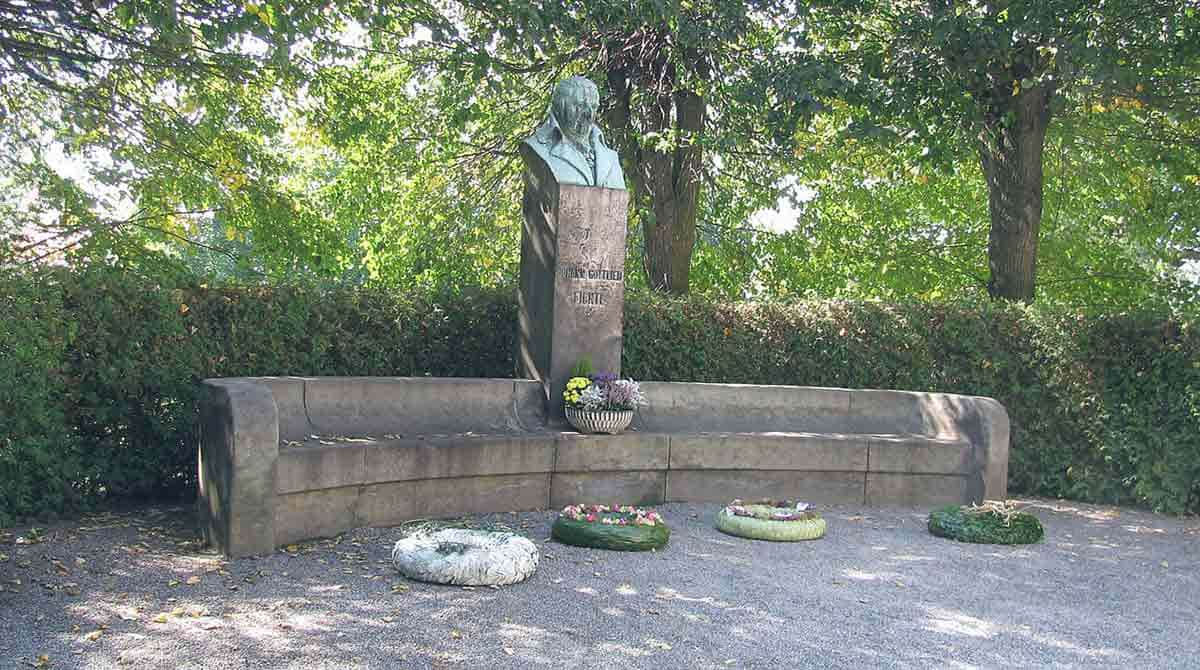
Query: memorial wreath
[(623, 528), (774, 520)]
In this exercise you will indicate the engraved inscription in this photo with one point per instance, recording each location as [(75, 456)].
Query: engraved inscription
[(590, 268)]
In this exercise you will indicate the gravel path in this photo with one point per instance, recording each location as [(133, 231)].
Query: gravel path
[(1108, 588)]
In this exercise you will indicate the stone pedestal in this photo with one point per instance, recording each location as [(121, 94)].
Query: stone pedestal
[(572, 292)]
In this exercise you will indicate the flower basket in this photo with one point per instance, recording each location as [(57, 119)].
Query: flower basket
[(602, 421)]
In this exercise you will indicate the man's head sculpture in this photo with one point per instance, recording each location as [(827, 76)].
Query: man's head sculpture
[(568, 144), (574, 104)]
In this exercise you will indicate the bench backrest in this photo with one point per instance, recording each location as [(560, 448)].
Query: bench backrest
[(687, 407), (407, 406)]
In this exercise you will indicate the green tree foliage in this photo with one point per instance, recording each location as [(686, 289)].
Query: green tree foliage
[(701, 99), (1120, 218), (955, 77), (178, 106)]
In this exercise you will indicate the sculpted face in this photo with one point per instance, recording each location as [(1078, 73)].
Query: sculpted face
[(575, 103), (579, 117)]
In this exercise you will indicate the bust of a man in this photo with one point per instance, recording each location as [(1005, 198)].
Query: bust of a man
[(569, 144)]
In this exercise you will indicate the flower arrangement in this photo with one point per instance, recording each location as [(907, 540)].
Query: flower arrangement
[(772, 520), (603, 391), (993, 522), (612, 515), (772, 510)]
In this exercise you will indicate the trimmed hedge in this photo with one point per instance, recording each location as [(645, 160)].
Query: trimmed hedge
[(99, 369)]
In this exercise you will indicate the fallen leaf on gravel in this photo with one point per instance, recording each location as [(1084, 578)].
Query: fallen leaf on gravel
[(388, 619), (456, 635), (838, 582), (161, 617), (127, 615), (3, 558), (399, 588), (1165, 564), (178, 611), (173, 583), (193, 580), (658, 644), (93, 636), (42, 661), (509, 651), (854, 518)]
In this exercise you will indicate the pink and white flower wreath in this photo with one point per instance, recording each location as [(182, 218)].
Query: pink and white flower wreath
[(631, 516)]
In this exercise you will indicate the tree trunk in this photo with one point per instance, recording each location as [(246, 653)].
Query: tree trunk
[(1011, 156), (670, 186), (665, 183)]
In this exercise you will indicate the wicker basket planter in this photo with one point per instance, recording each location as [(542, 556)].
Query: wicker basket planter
[(604, 422)]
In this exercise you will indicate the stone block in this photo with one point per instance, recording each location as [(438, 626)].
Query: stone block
[(888, 412), (314, 467), (828, 488), (769, 451), (991, 451), (916, 490), (462, 456), (289, 400), (925, 455), (603, 453), (608, 488), (239, 445), (686, 407), (409, 406), (394, 502), (311, 514)]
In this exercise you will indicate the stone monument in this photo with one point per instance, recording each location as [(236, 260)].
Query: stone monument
[(572, 292)]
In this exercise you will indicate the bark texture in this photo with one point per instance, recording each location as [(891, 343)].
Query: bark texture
[(665, 174), (1010, 150)]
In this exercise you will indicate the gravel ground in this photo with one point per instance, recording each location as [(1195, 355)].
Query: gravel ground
[(1108, 588)]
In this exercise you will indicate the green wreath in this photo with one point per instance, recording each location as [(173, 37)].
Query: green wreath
[(991, 523), (776, 521), (611, 527)]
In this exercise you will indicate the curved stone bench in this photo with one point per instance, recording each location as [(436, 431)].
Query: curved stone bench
[(284, 459)]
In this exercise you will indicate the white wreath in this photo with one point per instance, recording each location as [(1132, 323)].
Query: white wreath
[(466, 557)]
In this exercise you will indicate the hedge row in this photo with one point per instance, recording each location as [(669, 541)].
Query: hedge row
[(99, 370)]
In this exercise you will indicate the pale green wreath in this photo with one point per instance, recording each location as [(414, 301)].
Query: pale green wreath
[(781, 521)]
